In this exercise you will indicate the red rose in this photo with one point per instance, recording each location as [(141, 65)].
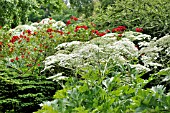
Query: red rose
[(68, 22), (17, 58), (1, 43), (100, 34), (49, 30), (85, 27), (78, 27), (12, 60), (68, 32), (119, 29), (95, 31), (74, 18), (139, 30), (28, 31), (14, 38), (122, 28), (50, 18)]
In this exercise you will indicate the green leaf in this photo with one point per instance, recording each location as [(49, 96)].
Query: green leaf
[(60, 94), (83, 88), (81, 110), (165, 71)]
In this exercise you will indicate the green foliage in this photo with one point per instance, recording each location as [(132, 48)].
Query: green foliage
[(65, 14), (152, 16), (47, 8), (22, 85), (14, 12), (83, 6), (98, 93), (87, 7), (107, 87), (18, 93), (105, 3)]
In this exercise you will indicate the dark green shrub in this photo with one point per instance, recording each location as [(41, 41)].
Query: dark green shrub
[(153, 16), (23, 94)]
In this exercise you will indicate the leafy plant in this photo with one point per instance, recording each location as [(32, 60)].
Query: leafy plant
[(47, 8), (152, 16), (24, 11), (19, 92), (11, 17), (83, 6), (96, 93)]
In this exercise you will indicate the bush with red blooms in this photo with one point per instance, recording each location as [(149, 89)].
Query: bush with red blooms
[(32, 47)]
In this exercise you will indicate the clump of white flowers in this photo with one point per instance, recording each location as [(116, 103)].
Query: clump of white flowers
[(55, 24), (68, 46), (98, 50), (47, 21), (139, 67), (133, 36), (79, 54), (34, 26), (21, 28), (151, 52), (150, 48)]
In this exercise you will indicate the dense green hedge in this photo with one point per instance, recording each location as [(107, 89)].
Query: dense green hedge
[(23, 94)]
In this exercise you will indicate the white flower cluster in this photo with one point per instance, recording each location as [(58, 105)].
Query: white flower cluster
[(78, 54), (20, 29), (34, 26), (139, 67), (136, 36), (152, 50), (98, 50), (68, 46), (56, 24)]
